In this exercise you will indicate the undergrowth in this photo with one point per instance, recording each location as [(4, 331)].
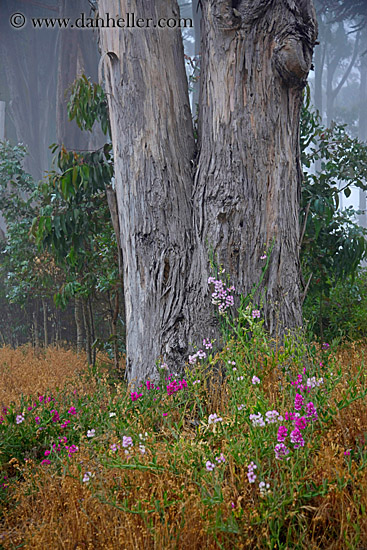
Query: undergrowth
[(271, 453)]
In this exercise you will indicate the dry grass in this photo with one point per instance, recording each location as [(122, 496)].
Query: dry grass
[(24, 372), (164, 510)]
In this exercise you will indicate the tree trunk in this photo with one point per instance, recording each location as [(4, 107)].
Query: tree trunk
[(255, 63), (92, 331), (146, 80), (78, 314), (45, 324), (245, 195), (362, 126), (115, 345), (35, 329), (88, 333)]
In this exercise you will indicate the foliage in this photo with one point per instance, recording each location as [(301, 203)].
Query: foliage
[(333, 244), (344, 312), (178, 463)]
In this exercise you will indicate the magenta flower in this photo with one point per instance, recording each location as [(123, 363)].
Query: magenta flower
[(298, 402), (311, 411), (46, 461), (135, 395), (300, 423), (282, 433), (72, 410)]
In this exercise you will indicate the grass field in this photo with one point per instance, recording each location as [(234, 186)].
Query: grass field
[(269, 454)]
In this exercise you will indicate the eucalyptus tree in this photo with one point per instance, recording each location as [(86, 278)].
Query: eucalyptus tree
[(230, 195)]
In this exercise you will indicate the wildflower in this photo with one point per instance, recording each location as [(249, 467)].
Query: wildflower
[(37, 420), (71, 449), (63, 440), (127, 441), (282, 433), (65, 424), (220, 458), (257, 419), (250, 474), (255, 314), (112, 414), (255, 380), (87, 476), (213, 418), (271, 416), (347, 452), (135, 395), (297, 438), (142, 449), (113, 447), (311, 411), (300, 423), (29, 408), (298, 402), (165, 414), (207, 344), (19, 419), (55, 415), (46, 453), (264, 488), (91, 433), (325, 345), (280, 451), (240, 407), (263, 257), (40, 398), (72, 410), (196, 382), (239, 377), (200, 354), (46, 461), (209, 466)]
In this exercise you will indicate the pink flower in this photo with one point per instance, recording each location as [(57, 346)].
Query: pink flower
[(209, 466), (282, 433), (298, 402), (72, 410), (297, 438), (255, 314), (281, 451), (46, 461), (135, 395), (300, 423)]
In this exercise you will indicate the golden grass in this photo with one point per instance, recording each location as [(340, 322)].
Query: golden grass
[(56, 511), (25, 372)]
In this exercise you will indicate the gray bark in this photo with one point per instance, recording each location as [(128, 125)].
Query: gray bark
[(88, 332), (245, 193), (153, 146), (78, 313), (362, 126), (255, 62), (45, 324)]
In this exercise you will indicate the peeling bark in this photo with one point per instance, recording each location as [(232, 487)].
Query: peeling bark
[(248, 179), (153, 144), (244, 195)]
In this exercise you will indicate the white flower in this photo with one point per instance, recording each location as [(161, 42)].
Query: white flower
[(255, 380), (91, 433), (87, 476), (112, 414)]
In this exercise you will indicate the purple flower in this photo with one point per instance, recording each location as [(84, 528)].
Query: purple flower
[(282, 433), (127, 441), (298, 402), (255, 380), (297, 439), (280, 451), (300, 423), (311, 411), (255, 314), (209, 466), (19, 419)]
